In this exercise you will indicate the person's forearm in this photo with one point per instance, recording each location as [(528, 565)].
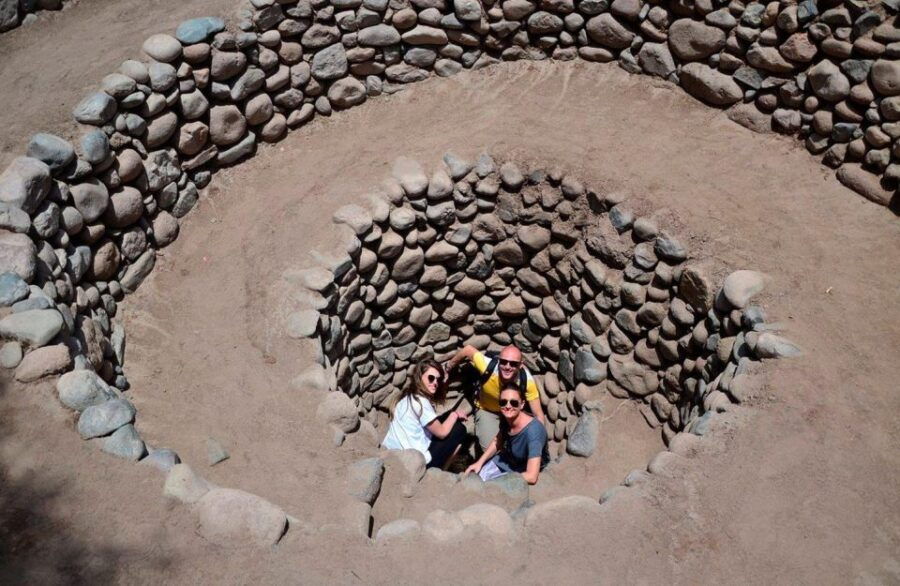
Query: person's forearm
[(537, 409), (464, 353), (445, 427)]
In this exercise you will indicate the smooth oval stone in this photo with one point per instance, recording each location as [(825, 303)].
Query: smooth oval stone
[(96, 109), (55, 152), (95, 147), (197, 30), (164, 48)]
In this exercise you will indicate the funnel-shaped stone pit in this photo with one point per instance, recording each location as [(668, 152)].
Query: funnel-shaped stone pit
[(489, 253)]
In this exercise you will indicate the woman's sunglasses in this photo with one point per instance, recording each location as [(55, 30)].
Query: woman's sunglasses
[(514, 403), (433, 378)]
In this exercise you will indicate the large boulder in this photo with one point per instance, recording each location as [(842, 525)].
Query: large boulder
[(709, 85), (338, 409), (25, 183), (234, 518)]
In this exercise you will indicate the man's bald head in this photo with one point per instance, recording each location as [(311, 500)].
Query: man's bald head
[(510, 363)]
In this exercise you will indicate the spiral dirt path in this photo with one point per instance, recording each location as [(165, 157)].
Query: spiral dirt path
[(797, 487)]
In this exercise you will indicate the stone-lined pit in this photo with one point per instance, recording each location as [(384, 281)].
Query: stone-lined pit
[(489, 254)]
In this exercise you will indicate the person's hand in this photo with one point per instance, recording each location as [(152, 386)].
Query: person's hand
[(461, 415), (450, 366), (476, 468)]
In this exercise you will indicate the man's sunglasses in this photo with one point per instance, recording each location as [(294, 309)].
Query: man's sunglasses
[(433, 378), (514, 403), (505, 362)]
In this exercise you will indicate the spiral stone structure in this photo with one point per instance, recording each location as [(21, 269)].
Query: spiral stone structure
[(481, 252)]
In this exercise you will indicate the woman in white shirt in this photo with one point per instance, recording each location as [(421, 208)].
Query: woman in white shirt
[(416, 425)]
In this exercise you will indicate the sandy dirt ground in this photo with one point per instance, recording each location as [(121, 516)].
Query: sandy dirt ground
[(798, 486)]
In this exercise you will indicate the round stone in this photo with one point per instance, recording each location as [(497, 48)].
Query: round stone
[(164, 48), (226, 125), (347, 92), (91, 199), (55, 152)]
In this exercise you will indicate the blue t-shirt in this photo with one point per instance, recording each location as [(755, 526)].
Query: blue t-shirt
[(516, 450)]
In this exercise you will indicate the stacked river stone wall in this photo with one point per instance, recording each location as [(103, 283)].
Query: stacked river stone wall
[(80, 224), (19, 12), (597, 299)]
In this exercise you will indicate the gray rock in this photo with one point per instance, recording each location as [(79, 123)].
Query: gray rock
[(103, 419), (163, 48), (13, 218), (81, 389), (457, 167), (655, 59), (12, 289), (338, 409), (9, 15), (10, 354), (741, 286), (709, 85), (347, 92), (769, 345), (96, 109), (364, 479), (36, 302), (55, 152), (234, 518), (886, 76), (828, 82), (691, 40), (467, 10), (215, 452), (125, 208), (607, 31), (303, 323), (864, 183), (670, 248), (43, 362), (511, 484), (425, 35), (250, 81), (126, 443), (163, 459), (544, 23), (381, 35), (633, 377), (226, 125), (197, 30), (138, 271), (588, 368), (35, 328), (162, 76), (95, 147), (582, 441), (91, 199), (25, 183)]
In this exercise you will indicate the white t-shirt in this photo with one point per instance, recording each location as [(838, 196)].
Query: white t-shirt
[(407, 429)]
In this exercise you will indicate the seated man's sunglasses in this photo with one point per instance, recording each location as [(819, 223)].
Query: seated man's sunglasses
[(505, 362), (514, 403)]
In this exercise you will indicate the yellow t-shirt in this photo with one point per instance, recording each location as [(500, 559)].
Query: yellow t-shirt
[(488, 398)]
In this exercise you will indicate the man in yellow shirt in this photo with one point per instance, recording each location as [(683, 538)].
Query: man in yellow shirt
[(506, 368)]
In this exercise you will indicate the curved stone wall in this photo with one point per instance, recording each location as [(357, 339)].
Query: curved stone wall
[(489, 254), (602, 300), (21, 12)]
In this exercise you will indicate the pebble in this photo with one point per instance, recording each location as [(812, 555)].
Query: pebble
[(215, 452)]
